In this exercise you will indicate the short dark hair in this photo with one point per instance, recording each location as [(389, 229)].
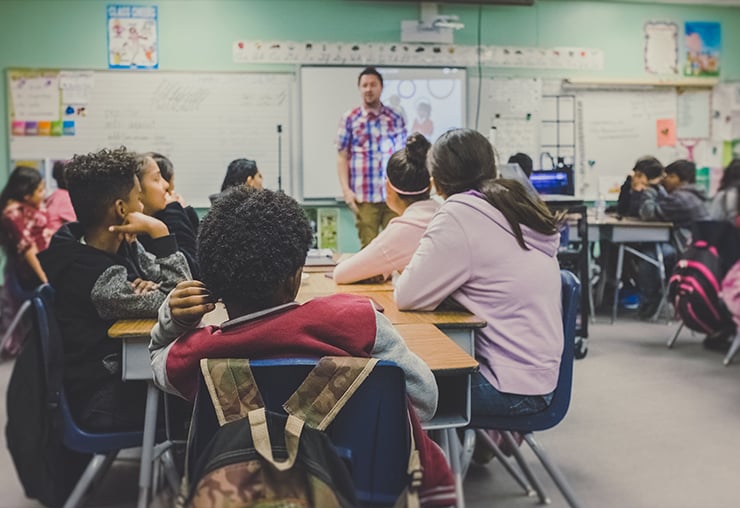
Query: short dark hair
[(649, 166), (683, 169), (238, 172), (96, 180), (166, 168), (731, 175), (524, 161), (407, 170), (250, 244), (57, 171), (371, 71)]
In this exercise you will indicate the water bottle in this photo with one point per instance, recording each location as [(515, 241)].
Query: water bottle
[(600, 208)]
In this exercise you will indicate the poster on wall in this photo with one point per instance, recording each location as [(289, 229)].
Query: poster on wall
[(34, 103), (132, 37), (703, 44)]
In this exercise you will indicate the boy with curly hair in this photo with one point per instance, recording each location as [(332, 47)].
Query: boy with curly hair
[(252, 247), (102, 274)]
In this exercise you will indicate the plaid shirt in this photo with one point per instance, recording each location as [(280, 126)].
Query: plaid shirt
[(370, 139)]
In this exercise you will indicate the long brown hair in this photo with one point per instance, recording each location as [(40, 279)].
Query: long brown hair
[(462, 160)]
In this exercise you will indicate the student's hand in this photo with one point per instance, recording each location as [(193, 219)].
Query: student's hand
[(142, 287), (190, 301), (351, 199), (172, 197), (138, 223), (639, 182)]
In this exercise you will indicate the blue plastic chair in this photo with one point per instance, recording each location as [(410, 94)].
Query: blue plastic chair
[(371, 432), (104, 447), (555, 412)]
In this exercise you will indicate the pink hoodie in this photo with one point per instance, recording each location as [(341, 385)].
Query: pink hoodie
[(470, 253), (392, 249)]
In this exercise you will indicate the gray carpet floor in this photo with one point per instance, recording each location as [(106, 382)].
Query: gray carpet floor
[(648, 427)]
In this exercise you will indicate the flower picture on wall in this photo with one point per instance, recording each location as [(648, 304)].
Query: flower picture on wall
[(703, 44), (132, 37)]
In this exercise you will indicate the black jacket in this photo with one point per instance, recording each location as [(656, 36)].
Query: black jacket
[(183, 223), (93, 290)]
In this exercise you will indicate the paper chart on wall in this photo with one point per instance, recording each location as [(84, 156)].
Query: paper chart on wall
[(35, 97), (661, 48), (693, 114)]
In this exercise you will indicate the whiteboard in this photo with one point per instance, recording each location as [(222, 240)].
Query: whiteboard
[(328, 92), (614, 129), (201, 121), (512, 106)]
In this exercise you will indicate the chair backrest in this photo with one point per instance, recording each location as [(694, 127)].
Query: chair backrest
[(52, 352), (555, 412), (371, 432)]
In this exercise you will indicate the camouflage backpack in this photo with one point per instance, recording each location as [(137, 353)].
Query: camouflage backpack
[(258, 458)]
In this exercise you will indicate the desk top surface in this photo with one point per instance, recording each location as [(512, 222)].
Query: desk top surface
[(435, 348), (631, 222)]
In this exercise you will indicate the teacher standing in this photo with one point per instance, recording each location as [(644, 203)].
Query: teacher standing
[(368, 136)]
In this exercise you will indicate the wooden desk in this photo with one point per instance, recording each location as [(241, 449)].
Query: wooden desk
[(621, 231), (318, 284)]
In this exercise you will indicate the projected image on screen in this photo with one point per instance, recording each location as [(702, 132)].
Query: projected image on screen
[(431, 100), (428, 106)]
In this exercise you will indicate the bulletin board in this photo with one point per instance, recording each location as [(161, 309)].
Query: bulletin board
[(201, 121)]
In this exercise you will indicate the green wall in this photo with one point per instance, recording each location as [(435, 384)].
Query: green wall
[(71, 34)]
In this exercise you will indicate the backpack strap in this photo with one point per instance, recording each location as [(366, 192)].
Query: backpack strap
[(235, 395), (232, 388), (327, 388)]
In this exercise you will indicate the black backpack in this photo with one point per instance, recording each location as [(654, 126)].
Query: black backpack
[(694, 286), (47, 470)]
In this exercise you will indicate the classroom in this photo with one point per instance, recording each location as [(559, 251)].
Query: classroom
[(585, 87)]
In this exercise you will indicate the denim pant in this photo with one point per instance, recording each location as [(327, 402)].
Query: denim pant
[(488, 401)]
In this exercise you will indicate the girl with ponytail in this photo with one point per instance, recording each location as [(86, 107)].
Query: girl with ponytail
[(408, 189), (492, 249)]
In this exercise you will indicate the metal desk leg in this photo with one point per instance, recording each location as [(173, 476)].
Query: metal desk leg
[(618, 281), (147, 445), (661, 273), (589, 287), (454, 447)]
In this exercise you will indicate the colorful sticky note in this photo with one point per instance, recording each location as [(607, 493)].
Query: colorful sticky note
[(68, 127), (44, 128), (18, 128), (666, 131), (56, 128), (32, 128), (69, 110)]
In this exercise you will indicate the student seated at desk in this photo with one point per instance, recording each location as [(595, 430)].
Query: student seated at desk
[(648, 172), (240, 172), (492, 249), (407, 186), (676, 200), (160, 201), (100, 277), (725, 204), (252, 247)]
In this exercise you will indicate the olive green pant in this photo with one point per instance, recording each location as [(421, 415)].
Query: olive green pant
[(370, 218)]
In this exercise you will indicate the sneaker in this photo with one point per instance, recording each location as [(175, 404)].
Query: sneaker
[(719, 341), (648, 308)]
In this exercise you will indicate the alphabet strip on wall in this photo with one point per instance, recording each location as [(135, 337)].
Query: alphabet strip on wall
[(349, 53)]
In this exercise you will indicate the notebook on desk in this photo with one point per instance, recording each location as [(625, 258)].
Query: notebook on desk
[(320, 257)]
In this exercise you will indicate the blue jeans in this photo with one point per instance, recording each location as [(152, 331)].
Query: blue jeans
[(488, 401)]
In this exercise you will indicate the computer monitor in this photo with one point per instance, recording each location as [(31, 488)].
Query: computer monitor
[(513, 171), (552, 182)]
